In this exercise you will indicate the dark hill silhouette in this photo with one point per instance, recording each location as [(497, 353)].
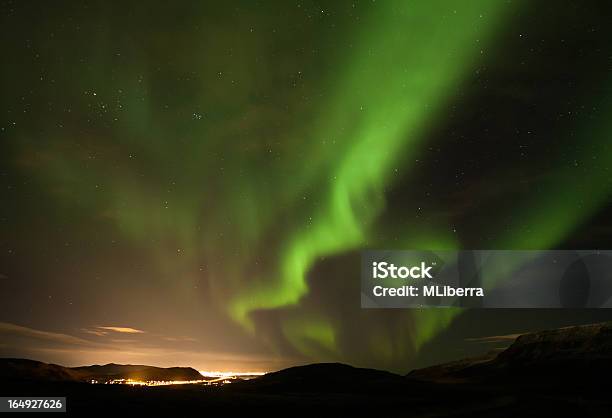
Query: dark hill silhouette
[(552, 354), (137, 372), (23, 369), (329, 377), (31, 370), (585, 344)]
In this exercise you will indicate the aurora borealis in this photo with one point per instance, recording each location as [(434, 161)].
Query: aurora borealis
[(208, 174)]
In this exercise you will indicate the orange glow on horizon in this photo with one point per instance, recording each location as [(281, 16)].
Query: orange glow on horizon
[(215, 373)]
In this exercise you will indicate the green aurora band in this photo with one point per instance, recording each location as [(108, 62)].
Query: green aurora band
[(407, 61)]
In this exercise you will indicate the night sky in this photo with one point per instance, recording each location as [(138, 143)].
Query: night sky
[(184, 183)]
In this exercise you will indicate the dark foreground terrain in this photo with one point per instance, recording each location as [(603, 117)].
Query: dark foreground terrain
[(558, 373)]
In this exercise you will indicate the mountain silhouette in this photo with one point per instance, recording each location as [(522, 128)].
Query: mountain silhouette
[(545, 355), (31, 370)]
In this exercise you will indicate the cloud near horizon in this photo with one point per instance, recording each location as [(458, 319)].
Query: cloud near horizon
[(509, 338), (124, 330), (152, 349)]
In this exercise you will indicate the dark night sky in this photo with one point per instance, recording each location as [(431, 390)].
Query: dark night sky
[(192, 183)]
